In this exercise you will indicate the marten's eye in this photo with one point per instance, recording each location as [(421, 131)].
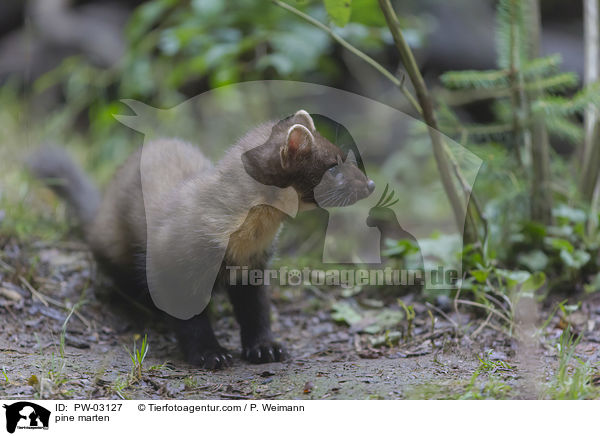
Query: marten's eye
[(334, 171)]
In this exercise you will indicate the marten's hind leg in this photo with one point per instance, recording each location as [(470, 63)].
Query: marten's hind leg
[(252, 311), (199, 344)]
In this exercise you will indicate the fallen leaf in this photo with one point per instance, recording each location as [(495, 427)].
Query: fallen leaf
[(308, 387), (10, 294), (33, 380)]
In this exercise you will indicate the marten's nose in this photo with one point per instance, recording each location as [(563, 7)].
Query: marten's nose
[(371, 186)]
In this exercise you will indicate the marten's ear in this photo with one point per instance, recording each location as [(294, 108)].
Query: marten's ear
[(303, 117), (299, 142)]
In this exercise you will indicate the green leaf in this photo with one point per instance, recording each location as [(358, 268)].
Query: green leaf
[(576, 260), (220, 53), (339, 11), (367, 12), (344, 312), (401, 248), (210, 8), (533, 283), (480, 275), (146, 16), (282, 64), (385, 320), (570, 213), (594, 285), (559, 244), (389, 338), (535, 231), (351, 291), (388, 318), (563, 231), (301, 45), (225, 74), (513, 278), (535, 260), (372, 329)]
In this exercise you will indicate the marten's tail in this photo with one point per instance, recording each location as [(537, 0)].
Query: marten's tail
[(53, 166)]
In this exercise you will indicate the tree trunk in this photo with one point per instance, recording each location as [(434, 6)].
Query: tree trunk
[(541, 193), (590, 28)]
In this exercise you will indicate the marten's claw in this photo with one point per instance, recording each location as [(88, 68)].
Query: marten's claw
[(265, 352), (211, 359)]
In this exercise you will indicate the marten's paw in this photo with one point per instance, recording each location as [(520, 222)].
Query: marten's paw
[(212, 358), (265, 352)]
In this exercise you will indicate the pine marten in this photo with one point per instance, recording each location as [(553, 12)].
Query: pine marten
[(195, 205)]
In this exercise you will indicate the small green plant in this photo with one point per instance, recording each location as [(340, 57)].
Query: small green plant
[(573, 378), (486, 364), (119, 385), (51, 377), (499, 292), (63, 331), (410, 316), (190, 382), (496, 388), (493, 388), (56, 370), (160, 367), (5, 374), (137, 357)]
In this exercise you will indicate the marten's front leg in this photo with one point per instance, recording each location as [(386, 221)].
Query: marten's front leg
[(199, 344), (252, 311)]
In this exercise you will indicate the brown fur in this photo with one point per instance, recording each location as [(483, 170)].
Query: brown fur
[(255, 235), (169, 217)]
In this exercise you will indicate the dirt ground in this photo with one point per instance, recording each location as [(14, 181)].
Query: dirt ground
[(39, 284)]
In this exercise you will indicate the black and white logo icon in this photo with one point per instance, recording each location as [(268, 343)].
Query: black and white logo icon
[(26, 415)]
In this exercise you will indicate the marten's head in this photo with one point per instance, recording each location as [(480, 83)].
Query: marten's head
[(297, 155)]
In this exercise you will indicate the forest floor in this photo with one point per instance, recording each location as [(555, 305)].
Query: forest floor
[(45, 353)]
